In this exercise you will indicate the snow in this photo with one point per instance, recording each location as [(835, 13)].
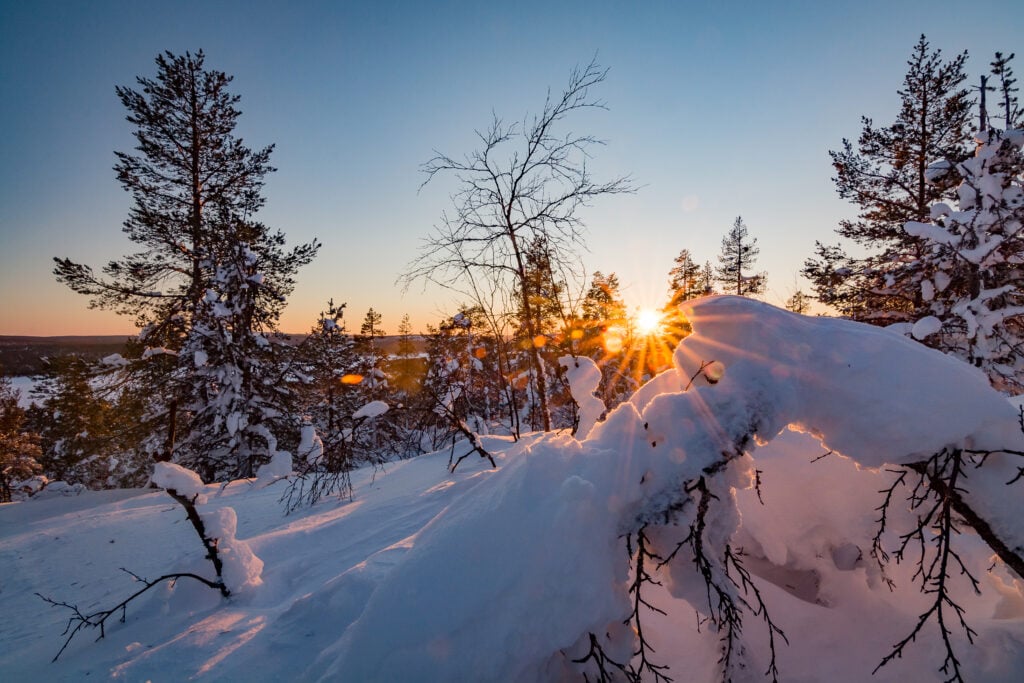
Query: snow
[(241, 567), (168, 475), (926, 326), (157, 351), (24, 385), (874, 396), (311, 446), (501, 574), (371, 409), (280, 465), (584, 377)]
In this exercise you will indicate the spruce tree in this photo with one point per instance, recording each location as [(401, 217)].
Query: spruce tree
[(893, 175), (737, 258), (74, 425)]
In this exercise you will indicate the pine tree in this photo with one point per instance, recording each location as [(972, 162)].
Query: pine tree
[(195, 187), (540, 317), (407, 368), (684, 280), (602, 306), (799, 302), (739, 254), (190, 177), (333, 387), (893, 177), (706, 280), (374, 378), (371, 326), (405, 343), (1007, 99)]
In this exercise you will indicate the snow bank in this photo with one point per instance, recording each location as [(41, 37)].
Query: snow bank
[(499, 575), (872, 395), (509, 580)]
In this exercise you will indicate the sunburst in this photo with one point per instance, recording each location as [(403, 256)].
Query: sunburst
[(648, 322)]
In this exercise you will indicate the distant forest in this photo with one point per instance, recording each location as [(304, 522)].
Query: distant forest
[(33, 355)]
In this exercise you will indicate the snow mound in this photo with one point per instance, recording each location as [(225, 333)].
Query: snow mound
[(371, 409), (497, 585), (503, 574), (872, 395)]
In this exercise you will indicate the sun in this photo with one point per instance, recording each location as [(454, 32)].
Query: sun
[(648, 322)]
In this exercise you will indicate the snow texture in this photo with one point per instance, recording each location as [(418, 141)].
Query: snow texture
[(855, 387), (501, 574)]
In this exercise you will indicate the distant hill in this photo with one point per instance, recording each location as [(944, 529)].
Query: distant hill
[(29, 355)]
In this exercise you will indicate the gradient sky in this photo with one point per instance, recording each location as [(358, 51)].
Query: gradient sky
[(715, 109)]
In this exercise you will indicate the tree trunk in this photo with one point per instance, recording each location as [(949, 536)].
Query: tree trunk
[(531, 331)]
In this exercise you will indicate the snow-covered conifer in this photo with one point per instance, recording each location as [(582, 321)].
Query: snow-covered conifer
[(238, 404), (975, 296), (195, 188), (892, 177)]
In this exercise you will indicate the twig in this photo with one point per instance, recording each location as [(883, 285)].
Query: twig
[(98, 619)]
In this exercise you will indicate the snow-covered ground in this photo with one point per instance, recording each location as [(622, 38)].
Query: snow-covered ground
[(500, 574), (24, 386)]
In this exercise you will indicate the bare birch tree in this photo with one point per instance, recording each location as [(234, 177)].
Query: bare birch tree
[(525, 182)]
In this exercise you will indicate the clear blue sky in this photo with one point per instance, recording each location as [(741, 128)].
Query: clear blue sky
[(716, 110)]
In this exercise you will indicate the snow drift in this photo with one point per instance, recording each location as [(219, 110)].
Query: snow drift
[(505, 574)]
